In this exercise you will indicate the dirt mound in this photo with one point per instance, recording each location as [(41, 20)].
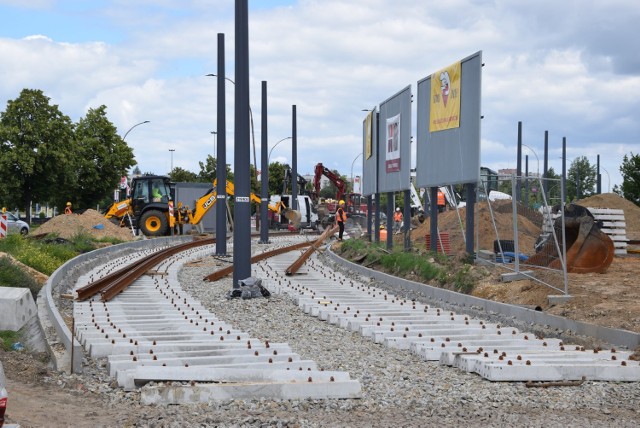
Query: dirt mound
[(449, 222), (529, 222), (614, 201), (91, 222)]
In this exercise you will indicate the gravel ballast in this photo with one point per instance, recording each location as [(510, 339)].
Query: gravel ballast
[(398, 388)]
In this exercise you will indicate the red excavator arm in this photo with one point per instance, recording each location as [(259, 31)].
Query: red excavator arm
[(321, 170)]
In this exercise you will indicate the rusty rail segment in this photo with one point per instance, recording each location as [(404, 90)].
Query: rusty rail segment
[(114, 288), (131, 273), (226, 271), (293, 268)]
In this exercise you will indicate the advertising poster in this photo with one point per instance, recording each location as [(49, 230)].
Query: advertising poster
[(392, 159), (444, 111), (368, 140)]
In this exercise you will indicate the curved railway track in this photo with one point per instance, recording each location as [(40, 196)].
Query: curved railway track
[(151, 330)]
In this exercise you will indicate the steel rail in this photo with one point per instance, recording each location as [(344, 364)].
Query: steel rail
[(133, 271), (293, 268), (114, 288), (114, 283), (227, 270)]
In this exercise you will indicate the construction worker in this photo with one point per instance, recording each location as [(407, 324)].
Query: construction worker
[(441, 201), (397, 220), (341, 219), (383, 233), (67, 209)]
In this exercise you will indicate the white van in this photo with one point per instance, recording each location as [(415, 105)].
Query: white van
[(306, 207)]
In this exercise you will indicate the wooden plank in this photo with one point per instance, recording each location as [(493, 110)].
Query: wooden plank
[(595, 211), (613, 225), (609, 217), (609, 231)]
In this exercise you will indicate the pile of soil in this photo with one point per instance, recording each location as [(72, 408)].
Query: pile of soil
[(454, 223), (529, 222), (614, 201), (90, 222)]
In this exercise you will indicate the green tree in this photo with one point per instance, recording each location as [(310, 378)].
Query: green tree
[(136, 170), (208, 170), (581, 179), (182, 175), (38, 154), (276, 177), (552, 184), (103, 158), (630, 170)]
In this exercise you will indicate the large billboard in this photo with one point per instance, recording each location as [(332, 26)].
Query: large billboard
[(448, 124), (369, 149), (394, 150)]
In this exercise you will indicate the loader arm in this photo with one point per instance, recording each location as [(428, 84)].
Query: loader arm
[(118, 209)]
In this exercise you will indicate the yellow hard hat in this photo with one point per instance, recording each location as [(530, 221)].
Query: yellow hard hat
[(341, 202), (68, 204), (381, 226)]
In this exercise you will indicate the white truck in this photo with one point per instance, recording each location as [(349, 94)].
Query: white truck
[(308, 213)]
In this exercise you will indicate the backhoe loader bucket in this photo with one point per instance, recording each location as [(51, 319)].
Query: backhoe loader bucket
[(588, 248), (294, 217)]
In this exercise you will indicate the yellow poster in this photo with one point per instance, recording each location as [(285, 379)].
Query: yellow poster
[(444, 112), (368, 141)]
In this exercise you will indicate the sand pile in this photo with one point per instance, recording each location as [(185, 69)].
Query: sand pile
[(614, 201), (448, 222), (91, 222)]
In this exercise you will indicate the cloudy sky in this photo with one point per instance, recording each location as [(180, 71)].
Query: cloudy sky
[(569, 67)]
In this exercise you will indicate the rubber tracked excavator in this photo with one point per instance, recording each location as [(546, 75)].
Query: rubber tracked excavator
[(588, 248)]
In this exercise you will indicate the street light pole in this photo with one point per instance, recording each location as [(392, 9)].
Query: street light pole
[(608, 180), (274, 146), (352, 182), (253, 135), (537, 160), (171, 150), (137, 124)]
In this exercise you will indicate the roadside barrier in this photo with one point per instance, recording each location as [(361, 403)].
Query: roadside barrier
[(3, 226)]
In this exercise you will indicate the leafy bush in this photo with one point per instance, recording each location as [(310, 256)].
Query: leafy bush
[(463, 281), (12, 276)]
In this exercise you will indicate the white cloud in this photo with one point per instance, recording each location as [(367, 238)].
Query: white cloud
[(571, 72)]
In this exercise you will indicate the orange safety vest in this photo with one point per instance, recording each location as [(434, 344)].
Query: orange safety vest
[(341, 216), (397, 216), (440, 198)]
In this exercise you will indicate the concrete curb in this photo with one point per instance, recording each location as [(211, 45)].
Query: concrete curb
[(50, 316), (489, 308)]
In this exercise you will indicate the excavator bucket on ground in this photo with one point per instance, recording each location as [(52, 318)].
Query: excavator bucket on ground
[(588, 248), (293, 216)]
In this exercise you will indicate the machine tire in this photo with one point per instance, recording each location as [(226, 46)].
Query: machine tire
[(154, 223)]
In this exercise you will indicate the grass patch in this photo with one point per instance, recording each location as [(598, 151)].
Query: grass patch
[(8, 338), (417, 264), (12, 276), (48, 254)]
